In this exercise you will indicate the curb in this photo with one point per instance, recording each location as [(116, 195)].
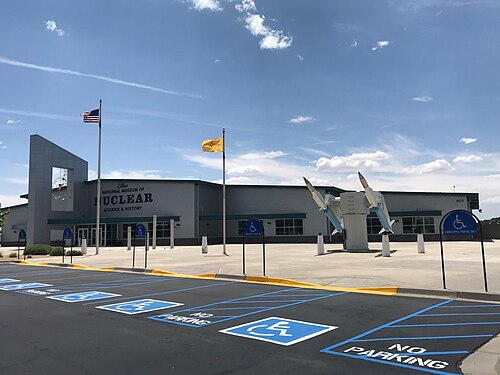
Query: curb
[(387, 290), (449, 294)]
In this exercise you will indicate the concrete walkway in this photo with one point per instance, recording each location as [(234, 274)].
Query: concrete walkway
[(405, 269)]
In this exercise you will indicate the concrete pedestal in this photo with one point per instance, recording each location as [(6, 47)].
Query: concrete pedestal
[(354, 208)]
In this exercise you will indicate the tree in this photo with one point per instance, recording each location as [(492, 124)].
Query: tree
[(3, 216)]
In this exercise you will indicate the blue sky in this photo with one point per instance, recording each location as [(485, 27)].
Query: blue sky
[(407, 92)]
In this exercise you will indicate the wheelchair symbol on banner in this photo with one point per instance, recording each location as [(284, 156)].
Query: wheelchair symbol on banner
[(458, 224)]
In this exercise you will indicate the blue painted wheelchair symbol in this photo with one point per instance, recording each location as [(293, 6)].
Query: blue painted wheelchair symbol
[(23, 286), (140, 306), (279, 330), (85, 296), (3, 281)]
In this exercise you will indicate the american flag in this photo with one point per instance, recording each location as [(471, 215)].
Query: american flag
[(91, 116)]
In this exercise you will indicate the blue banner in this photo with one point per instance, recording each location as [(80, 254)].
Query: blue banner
[(458, 223)]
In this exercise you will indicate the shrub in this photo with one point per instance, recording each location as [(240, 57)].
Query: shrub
[(38, 250), (56, 251), (12, 255), (75, 253), (1, 255), (29, 257)]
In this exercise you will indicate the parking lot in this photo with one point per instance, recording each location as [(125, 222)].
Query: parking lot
[(63, 320)]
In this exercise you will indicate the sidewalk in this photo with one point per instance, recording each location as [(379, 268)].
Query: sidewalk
[(405, 269)]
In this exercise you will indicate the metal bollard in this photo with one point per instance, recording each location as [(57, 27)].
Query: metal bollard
[(420, 245)]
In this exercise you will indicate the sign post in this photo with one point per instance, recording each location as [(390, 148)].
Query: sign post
[(254, 228), (140, 232), (461, 223), (68, 235), (22, 236)]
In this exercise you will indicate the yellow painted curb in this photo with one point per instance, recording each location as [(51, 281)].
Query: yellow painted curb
[(33, 264), (387, 291), (208, 275)]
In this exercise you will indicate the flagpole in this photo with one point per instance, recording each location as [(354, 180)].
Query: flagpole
[(98, 214), (224, 191)]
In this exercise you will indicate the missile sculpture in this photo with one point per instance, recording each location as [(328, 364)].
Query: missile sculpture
[(329, 205), (377, 203)]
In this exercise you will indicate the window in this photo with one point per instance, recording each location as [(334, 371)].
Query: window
[(124, 229), (289, 227), (418, 225), (162, 229), (241, 227), (373, 225)]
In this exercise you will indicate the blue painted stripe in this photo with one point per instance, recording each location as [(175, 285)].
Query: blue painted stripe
[(462, 314), (470, 306), (326, 350), (270, 301), (262, 309), (162, 293), (424, 338), (443, 324), (422, 369)]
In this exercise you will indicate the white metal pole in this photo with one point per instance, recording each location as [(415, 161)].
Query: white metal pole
[(155, 218), (172, 233), (224, 191), (98, 214)]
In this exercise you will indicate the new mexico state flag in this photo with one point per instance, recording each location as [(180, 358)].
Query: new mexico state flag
[(213, 145)]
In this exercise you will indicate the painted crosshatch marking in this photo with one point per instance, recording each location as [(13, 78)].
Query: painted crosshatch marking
[(85, 296), (139, 306), (279, 331), (23, 286), (403, 344), (4, 281), (236, 308)]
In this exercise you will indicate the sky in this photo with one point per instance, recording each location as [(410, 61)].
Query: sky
[(405, 91)]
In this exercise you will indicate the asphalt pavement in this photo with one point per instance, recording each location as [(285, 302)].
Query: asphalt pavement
[(58, 320)]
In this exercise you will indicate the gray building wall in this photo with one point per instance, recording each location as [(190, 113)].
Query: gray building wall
[(16, 220), (44, 155)]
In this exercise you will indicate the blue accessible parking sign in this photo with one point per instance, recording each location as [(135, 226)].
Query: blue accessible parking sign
[(253, 228), (85, 296), (140, 306), (279, 330), (459, 222)]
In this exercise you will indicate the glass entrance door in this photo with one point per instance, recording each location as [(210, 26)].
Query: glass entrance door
[(93, 237)]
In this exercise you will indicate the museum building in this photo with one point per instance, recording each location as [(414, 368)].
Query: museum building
[(60, 196)]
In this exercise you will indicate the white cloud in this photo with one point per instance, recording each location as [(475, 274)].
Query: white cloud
[(423, 99), (438, 165), (354, 43), (468, 140), (7, 61), (216, 61), (350, 162), (246, 6), (17, 181), (263, 155), (247, 169), (467, 159), (52, 27), (13, 122), (270, 38), (213, 5), (11, 200), (302, 120), (301, 58), (381, 44), (491, 200), (4, 147)]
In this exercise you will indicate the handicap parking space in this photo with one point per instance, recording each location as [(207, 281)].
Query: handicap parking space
[(126, 321)]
